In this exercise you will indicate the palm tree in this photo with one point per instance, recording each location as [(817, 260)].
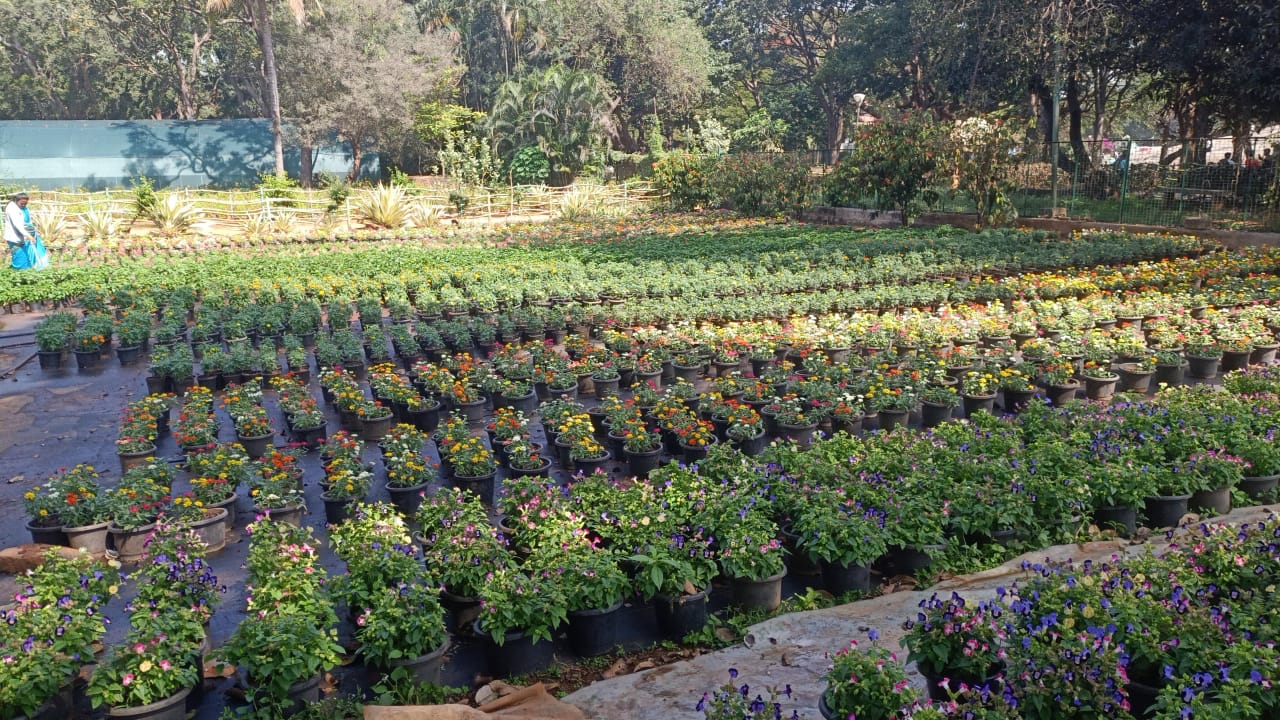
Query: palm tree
[(259, 15)]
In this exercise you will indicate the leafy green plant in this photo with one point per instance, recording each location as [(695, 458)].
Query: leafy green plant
[(762, 183), (281, 189), (892, 161), (528, 166)]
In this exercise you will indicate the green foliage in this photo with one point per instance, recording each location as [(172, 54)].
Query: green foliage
[(529, 166), (281, 189), (407, 691), (145, 199), (760, 132), (762, 183), (984, 150), (399, 178), (437, 122), (683, 180), (893, 161), (564, 111), (337, 189), (468, 159)]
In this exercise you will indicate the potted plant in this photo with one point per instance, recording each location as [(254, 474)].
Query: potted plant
[(843, 538), (149, 675), (1216, 473), (85, 511), (676, 570), (868, 684), (402, 632), (1203, 356), (50, 632), (957, 640), (937, 404), (53, 337), (474, 466), (594, 587), (752, 558), (1119, 485), (525, 459), (519, 612)]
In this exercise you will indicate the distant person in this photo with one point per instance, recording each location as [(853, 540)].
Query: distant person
[(1251, 161), (1268, 160), (1226, 161), (20, 235)]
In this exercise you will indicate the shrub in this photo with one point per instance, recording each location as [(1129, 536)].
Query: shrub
[(984, 150), (529, 166), (893, 161), (762, 183), (280, 188), (683, 180)]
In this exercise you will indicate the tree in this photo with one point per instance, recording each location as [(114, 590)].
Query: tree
[(894, 161), (495, 39), (565, 112), (258, 15), (651, 54), (378, 67), (171, 47), (57, 62)]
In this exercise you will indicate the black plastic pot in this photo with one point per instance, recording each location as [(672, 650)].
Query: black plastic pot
[(1162, 511), (594, 632), (839, 579), (519, 653), (680, 615), (1124, 520)]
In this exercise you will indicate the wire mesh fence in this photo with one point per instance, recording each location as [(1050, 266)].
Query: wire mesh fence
[(1135, 183)]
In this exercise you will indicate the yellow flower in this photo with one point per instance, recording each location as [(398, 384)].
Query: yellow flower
[(145, 666)]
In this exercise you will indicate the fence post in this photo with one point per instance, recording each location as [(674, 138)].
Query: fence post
[(1075, 189), (1182, 186), (1124, 178)]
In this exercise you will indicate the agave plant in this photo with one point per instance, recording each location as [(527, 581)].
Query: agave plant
[(99, 222), (426, 214), (174, 214), (386, 206), (52, 223), (586, 201)]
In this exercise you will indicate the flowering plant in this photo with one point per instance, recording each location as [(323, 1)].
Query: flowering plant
[(185, 508), (586, 447), (869, 685), (696, 433), (227, 462), (524, 455), (347, 479), (638, 437), (744, 422), (591, 577), (675, 564), (83, 502), (749, 549), (459, 543), (146, 668), (956, 638), (253, 422), (734, 702), (137, 432), (402, 621), (513, 601), (471, 457), (841, 532)]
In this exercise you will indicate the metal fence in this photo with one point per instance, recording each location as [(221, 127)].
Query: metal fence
[(1146, 183)]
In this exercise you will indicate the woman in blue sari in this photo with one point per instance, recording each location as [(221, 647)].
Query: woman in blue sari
[(20, 235)]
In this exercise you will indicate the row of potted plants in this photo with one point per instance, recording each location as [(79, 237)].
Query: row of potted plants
[(1142, 637)]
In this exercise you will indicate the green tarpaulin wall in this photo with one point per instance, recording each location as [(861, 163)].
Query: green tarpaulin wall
[(98, 154)]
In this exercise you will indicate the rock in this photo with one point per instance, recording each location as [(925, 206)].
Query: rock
[(22, 558)]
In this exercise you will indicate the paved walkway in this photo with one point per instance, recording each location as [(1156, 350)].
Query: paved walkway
[(793, 649)]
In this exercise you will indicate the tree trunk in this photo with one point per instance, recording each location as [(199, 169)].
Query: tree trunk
[(357, 154), (308, 165), (262, 20), (1075, 112)]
